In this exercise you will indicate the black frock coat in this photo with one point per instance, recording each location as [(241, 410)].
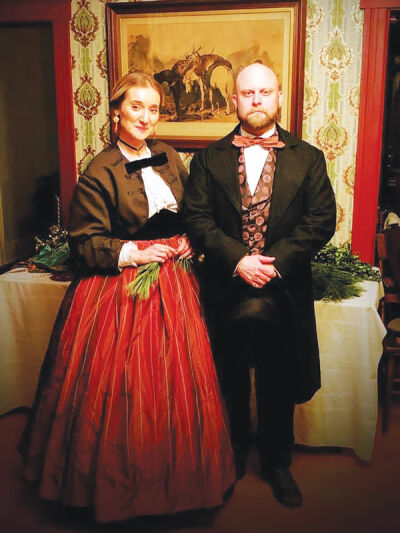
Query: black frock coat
[(302, 219)]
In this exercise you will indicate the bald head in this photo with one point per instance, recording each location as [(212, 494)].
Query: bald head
[(256, 72), (258, 99)]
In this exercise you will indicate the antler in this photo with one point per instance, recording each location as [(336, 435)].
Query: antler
[(195, 52)]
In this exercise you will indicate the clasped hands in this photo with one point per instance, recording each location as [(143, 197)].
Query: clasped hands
[(161, 252), (256, 270)]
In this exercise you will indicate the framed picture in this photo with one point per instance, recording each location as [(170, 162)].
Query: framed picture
[(195, 50)]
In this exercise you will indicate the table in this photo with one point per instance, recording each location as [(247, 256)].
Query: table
[(343, 412), (29, 303)]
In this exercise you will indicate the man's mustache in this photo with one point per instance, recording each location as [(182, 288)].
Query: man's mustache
[(260, 110)]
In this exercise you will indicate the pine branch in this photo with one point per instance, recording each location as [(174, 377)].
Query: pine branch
[(185, 263), (333, 284), (146, 276), (344, 259)]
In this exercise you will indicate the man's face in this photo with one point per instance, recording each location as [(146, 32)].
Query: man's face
[(258, 99)]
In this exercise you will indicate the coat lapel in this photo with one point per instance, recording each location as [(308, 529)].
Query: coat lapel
[(224, 168), (289, 174)]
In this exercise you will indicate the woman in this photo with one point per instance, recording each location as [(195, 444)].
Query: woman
[(127, 416)]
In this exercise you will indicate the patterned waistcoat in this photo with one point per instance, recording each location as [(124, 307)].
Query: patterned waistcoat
[(255, 209)]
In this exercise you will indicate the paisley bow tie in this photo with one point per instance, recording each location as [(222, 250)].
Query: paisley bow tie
[(153, 161), (268, 142)]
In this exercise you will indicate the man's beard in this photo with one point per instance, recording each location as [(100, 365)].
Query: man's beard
[(258, 119)]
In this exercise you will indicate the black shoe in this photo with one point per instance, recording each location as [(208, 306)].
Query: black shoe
[(241, 464), (284, 487)]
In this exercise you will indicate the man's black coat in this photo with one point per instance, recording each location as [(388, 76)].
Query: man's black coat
[(302, 219)]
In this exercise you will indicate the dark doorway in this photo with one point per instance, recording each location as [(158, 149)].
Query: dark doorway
[(389, 200), (29, 159)]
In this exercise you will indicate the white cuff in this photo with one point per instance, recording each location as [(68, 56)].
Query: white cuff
[(127, 255)]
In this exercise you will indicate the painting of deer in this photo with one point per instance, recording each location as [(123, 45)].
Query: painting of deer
[(210, 72)]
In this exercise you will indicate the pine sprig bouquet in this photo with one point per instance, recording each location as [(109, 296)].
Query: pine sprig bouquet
[(147, 276), (337, 273)]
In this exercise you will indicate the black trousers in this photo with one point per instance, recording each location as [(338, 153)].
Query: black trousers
[(253, 331)]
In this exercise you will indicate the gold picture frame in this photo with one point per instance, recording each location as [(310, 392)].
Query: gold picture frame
[(195, 49)]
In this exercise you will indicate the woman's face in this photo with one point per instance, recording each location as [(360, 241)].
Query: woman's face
[(139, 113)]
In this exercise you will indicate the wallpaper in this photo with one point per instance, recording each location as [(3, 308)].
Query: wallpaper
[(331, 95), (331, 89)]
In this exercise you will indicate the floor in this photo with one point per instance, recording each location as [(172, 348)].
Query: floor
[(341, 495)]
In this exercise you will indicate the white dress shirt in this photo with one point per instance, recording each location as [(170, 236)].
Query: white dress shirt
[(159, 196), (254, 158)]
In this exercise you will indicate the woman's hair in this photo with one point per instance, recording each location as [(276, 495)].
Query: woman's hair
[(133, 79)]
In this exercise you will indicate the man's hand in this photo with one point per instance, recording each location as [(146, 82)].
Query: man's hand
[(256, 270)]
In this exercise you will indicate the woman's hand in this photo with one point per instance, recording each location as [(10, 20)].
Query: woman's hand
[(184, 249), (156, 252)]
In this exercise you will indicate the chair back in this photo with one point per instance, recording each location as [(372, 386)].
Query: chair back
[(388, 261)]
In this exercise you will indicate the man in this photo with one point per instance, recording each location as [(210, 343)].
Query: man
[(258, 206)]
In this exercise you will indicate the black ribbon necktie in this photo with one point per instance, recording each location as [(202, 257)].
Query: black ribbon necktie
[(154, 161)]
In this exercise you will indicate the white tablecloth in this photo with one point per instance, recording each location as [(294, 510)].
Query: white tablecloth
[(29, 303), (343, 413)]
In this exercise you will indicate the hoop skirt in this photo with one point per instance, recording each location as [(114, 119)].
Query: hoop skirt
[(128, 416)]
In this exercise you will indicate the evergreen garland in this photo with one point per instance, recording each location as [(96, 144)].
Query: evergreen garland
[(337, 271), (343, 258), (333, 284)]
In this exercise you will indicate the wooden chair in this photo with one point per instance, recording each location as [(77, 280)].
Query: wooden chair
[(389, 312), (391, 358), (392, 292)]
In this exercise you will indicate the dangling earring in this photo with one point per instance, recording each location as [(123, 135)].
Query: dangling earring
[(154, 134), (116, 124)]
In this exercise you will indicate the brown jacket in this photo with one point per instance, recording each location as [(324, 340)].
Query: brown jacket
[(110, 206)]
